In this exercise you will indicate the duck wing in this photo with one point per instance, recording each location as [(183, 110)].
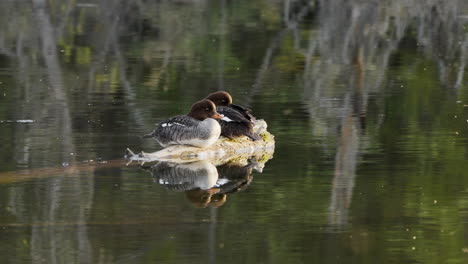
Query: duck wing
[(244, 111), (235, 124), (175, 129), (231, 114)]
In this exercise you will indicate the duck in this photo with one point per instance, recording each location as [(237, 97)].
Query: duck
[(198, 128), (234, 177), (236, 120)]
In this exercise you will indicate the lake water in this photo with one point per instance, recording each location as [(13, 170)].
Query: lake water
[(368, 102)]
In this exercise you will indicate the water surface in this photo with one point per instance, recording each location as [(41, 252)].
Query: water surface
[(368, 102)]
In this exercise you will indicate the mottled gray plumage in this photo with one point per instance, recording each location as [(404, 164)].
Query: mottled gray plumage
[(185, 130), (197, 128), (185, 176)]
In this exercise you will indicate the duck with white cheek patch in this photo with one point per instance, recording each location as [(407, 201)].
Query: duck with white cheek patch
[(237, 120), (197, 128)]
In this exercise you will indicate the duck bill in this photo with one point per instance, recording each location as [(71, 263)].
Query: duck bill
[(213, 191), (216, 116)]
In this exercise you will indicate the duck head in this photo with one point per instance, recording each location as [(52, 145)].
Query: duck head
[(204, 109), (203, 198), (220, 98)]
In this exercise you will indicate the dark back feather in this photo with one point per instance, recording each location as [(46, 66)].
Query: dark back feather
[(244, 111)]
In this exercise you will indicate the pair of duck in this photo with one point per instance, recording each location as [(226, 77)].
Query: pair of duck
[(208, 119)]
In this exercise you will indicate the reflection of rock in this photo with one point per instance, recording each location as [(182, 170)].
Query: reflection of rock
[(203, 183)]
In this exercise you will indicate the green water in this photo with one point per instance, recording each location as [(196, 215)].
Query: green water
[(368, 102)]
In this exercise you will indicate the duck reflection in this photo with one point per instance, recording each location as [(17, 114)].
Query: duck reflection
[(203, 183)]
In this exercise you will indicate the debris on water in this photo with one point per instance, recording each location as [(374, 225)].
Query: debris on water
[(86, 5), (459, 102), (17, 121), (101, 161)]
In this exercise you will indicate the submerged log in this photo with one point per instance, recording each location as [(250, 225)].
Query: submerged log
[(220, 152)]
